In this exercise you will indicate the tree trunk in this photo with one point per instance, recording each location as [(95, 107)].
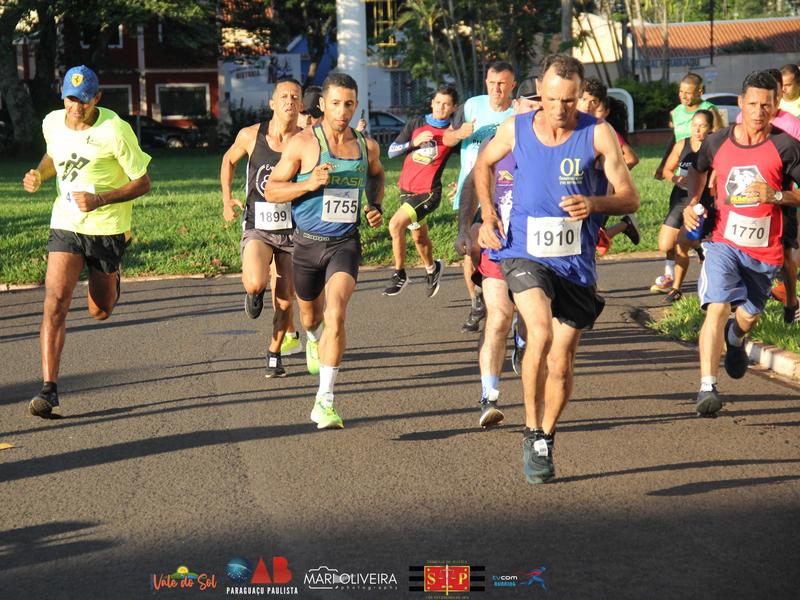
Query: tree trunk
[(599, 50), (27, 134), (665, 38), (44, 88), (648, 75), (460, 54), (566, 22)]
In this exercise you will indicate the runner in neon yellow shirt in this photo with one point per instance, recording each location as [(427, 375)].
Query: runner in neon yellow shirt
[(99, 169)]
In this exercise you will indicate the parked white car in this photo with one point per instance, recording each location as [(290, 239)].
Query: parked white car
[(727, 104)]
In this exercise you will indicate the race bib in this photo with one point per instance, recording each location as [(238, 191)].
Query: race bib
[(272, 217), (553, 236), (748, 232), (340, 205), (69, 188)]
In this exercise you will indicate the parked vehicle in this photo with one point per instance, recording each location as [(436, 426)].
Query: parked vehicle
[(158, 135), (384, 127), (727, 104)]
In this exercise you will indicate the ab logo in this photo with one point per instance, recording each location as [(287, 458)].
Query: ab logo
[(280, 571), (571, 167)]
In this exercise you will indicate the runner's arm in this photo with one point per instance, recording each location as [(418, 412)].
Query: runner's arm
[(402, 144), (495, 150), (235, 153), (33, 178), (624, 199), (631, 158), (466, 215), (671, 162), (375, 175), (280, 187), (87, 201)]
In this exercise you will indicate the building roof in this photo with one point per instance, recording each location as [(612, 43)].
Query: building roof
[(693, 39)]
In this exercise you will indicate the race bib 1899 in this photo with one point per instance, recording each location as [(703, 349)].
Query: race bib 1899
[(272, 217), (340, 205), (553, 236), (748, 232)]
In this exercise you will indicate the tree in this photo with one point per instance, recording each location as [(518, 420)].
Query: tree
[(95, 19), (316, 19), (457, 39)]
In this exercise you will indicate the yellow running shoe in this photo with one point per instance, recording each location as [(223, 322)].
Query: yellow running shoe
[(291, 344), (312, 357), (324, 414)]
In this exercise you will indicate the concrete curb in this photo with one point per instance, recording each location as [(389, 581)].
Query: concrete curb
[(772, 358)]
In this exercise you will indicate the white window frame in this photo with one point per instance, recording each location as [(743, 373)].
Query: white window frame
[(121, 85), (160, 86), (110, 45)]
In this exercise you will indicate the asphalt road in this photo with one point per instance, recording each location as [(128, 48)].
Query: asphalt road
[(176, 451)]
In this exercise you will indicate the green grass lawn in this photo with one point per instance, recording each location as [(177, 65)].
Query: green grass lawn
[(684, 318), (178, 227)]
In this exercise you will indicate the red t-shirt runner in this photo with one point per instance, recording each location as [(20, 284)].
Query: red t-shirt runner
[(423, 166), (753, 228)]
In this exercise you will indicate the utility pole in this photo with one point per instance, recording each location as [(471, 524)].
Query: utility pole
[(351, 38)]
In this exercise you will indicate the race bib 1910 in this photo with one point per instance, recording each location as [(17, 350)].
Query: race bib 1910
[(340, 205), (272, 217), (748, 232), (553, 236), (69, 188)]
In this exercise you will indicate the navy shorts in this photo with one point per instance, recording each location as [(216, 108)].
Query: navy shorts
[(731, 276)]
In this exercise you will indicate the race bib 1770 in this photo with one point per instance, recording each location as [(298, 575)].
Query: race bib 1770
[(748, 232), (553, 236), (272, 217), (340, 205)]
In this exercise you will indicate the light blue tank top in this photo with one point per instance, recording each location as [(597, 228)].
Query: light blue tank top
[(486, 123), (544, 174), (335, 209)]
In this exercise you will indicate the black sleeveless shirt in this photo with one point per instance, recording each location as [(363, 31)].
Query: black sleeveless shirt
[(259, 167)]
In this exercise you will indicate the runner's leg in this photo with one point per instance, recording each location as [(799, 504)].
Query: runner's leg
[(63, 271), (560, 371)]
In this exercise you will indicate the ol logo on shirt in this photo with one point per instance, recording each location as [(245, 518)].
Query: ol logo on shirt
[(571, 171)]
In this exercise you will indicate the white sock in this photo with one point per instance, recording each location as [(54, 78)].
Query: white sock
[(707, 383), (431, 269), (315, 335), (327, 377), (669, 268)]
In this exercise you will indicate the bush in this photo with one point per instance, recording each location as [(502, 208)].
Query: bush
[(651, 102)]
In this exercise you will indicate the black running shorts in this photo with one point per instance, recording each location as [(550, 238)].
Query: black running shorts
[(419, 206), (575, 305), (280, 242), (101, 252), (314, 263)]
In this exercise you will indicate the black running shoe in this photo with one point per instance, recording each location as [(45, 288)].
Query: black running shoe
[(537, 459), (791, 314), (735, 356), (673, 296), (701, 256), (632, 230), (473, 322), (43, 404), (490, 414), (432, 279), (254, 304), (274, 366), (708, 403), (396, 284)]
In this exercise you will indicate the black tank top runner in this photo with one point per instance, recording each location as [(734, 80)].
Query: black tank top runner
[(686, 160), (259, 166)]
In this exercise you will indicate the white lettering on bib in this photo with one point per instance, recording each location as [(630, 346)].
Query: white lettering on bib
[(748, 232), (69, 188), (340, 205), (271, 216), (553, 236), (505, 209)]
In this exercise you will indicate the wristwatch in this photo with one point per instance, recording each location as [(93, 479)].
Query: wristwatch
[(778, 197)]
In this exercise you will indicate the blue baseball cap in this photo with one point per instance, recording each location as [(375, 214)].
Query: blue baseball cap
[(80, 82)]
